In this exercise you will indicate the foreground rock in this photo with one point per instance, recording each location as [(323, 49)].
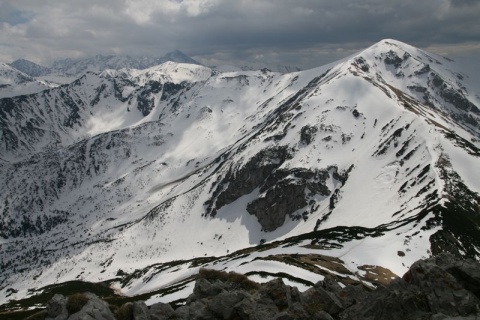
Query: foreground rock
[(441, 287)]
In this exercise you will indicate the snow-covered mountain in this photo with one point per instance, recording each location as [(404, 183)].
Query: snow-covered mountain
[(30, 68), (13, 82), (12, 76), (144, 176), (100, 63)]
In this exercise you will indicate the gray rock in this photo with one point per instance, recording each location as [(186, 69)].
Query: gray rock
[(204, 289), (442, 290), (330, 284), (317, 299), (307, 134), (430, 287), (57, 308), (438, 288), (181, 313), (390, 303), (278, 292), (467, 273), (298, 311), (241, 181), (286, 197), (284, 192), (441, 316), (140, 311), (95, 309), (295, 295), (161, 311), (284, 316), (321, 315), (199, 311), (259, 310), (224, 303), (351, 295), (125, 312)]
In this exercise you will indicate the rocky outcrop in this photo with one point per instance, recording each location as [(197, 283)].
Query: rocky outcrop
[(57, 308), (441, 287), (241, 181), (283, 192), (83, 306), (286, 191), (307, 134)]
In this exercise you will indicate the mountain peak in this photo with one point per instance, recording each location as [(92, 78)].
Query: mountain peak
[(178, 56), (392, 43), (387, 45), (30, 68), (422, 75)]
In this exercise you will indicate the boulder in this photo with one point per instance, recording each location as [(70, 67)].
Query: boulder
[(181, 313), (57, 308), (199, 310), (205, 288), (95, 309), (318, 299), (278, 292), (224, 303), (140, 311), (161, 311)]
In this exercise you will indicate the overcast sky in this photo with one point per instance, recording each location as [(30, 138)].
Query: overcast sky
[(304, 33)]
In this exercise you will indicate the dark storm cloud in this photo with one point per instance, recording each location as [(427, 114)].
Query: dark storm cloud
[(464, 2), (296, 32)]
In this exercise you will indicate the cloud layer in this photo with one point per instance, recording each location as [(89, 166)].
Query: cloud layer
[(303, 33)]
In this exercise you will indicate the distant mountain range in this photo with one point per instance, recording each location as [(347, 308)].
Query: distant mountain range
[(139, 176), (98, 63)]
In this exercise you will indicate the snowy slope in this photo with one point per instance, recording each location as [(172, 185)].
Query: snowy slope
[(14, 82), (92, 104), (368, 161)]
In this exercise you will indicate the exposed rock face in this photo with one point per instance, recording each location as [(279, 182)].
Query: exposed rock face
[(307, 134), (241, 181), (441, 287), (282, 191), (391, 57), (286, 191)]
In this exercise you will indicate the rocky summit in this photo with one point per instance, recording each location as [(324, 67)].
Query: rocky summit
[(442, 287)]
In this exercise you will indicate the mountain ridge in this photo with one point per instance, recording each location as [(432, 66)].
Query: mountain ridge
[(99, 63), (212, 162)]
